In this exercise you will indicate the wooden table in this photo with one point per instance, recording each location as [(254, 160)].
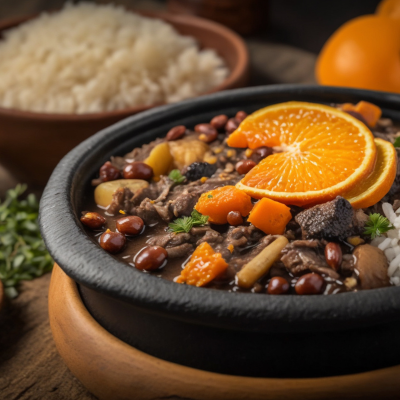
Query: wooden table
[(30, 367)]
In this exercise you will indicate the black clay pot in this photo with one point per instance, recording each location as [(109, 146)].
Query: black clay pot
[(232, 333)]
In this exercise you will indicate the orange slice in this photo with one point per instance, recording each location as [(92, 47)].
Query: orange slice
[(372, 189), (325, 152)]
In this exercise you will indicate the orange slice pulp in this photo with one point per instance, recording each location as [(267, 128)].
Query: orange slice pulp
[(325, 152), (372, 189)]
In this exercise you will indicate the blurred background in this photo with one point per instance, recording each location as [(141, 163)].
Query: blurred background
[(306, 24)]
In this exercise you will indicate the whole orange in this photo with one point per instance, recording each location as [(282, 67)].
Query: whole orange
[(363, 53)]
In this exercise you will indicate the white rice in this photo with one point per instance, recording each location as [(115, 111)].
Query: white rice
[(90, 58), (389, 243)]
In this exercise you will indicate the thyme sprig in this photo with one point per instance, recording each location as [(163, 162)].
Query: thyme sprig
[(376, 225), (176, 176), (185, 224), (23, 255)]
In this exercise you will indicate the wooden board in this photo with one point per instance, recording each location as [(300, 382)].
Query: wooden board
[(30, 367)]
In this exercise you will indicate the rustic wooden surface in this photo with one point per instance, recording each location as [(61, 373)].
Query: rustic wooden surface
[(30, 367)]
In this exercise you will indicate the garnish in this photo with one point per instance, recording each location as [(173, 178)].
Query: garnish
[(209, 196), (23, 255), (176, 176), (376, 225), (397, 142), (185, 224)]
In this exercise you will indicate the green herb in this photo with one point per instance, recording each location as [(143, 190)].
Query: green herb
[(23, 255), (176, 176), (376, 225), (209, 196), (397, 142), (185, 224)]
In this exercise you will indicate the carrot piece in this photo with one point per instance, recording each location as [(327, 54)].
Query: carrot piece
[(218, 203), (270, 216), (204, 265), (369, 111)]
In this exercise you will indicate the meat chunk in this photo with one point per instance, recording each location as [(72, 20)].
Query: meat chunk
[(335, 219), (239, 260), (169, 239), (183, 250), (372, 267), (306, 255), (121, 200)]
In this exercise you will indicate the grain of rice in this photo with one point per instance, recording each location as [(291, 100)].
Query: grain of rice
[(91, 58), (389, 213), (385, 244), (389, 243)]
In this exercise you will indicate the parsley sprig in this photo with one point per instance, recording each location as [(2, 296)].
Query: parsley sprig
[(176, 176), (23, 255), (397, 142), (376, 225), (185, 224)]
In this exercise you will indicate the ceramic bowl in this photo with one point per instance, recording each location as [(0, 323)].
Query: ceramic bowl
[(31, 144), (232, 333)]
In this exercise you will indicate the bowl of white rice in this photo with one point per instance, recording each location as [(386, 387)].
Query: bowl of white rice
[(67, 74)]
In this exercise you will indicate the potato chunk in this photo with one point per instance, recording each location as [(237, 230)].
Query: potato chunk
[(160, 159), (187, 151)]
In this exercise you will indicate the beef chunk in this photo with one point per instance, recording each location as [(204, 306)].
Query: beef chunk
[(155, 191), (183, 250), (169, 239), (184, 204), (146, 211), (306, 255), (332, 220), (121, 200), (238, 260), (372, 267)]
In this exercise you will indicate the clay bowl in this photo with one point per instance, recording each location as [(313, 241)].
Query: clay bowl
[(31, 144), (230, 333)]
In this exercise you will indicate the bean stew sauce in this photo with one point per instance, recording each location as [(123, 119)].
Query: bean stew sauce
[(171, 208)]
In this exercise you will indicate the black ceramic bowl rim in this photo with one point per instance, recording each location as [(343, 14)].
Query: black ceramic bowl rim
[(86, 263)]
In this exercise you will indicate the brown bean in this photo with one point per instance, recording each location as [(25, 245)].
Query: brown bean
[(207, 132), (93, 220), (260, 153), (231, 125), (309, 284), (113, 242), (278, 285), (219, 121), (138, 170), (151, 258), (241, 115), (109, 172), (176, 132), (244, 166), (235, 218), (333, 255), (130, 225)]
